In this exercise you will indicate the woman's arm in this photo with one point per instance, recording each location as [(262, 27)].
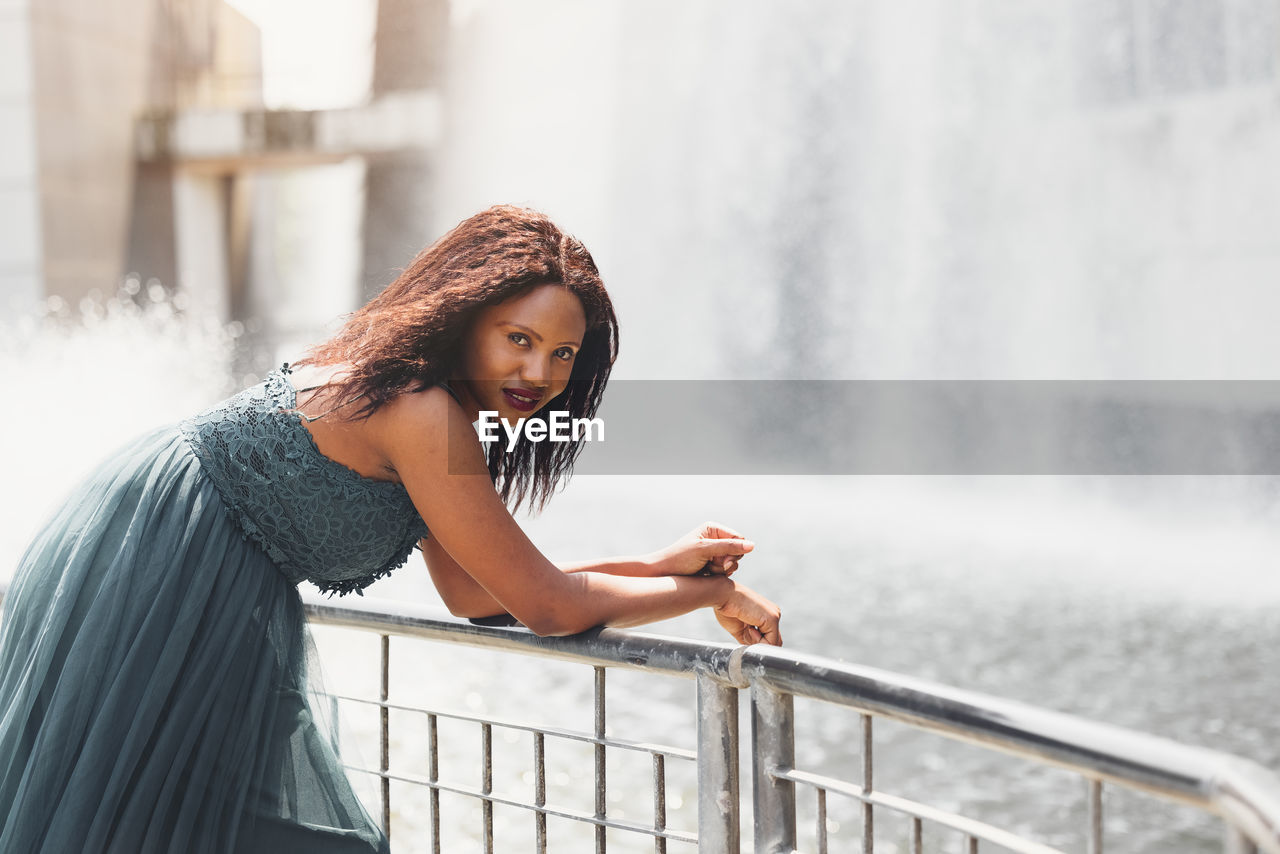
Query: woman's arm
[(741, 614), (712, 548), (461, 594), (449, 485), (464, 597)]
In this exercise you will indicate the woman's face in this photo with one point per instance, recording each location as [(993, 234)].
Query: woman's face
[(519, 353)]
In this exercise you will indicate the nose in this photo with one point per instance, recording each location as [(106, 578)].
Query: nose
[(536, 371)]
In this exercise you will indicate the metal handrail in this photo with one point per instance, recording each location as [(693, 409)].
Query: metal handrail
[(1243, 794)]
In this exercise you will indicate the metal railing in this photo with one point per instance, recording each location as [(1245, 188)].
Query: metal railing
[(1243, 795)]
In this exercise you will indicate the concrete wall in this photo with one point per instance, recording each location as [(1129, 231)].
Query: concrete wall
[(92, 64), (208, 57), (20, 261), (95, 67)]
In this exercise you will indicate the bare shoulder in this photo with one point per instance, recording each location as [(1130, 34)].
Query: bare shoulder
[(431, 405), (425, 427)]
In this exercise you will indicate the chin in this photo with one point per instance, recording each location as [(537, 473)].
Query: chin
[(506, 413)]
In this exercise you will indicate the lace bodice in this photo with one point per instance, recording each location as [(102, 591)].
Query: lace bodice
[(317, 519)]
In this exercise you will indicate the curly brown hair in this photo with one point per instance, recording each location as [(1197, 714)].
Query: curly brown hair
[(410, 336)]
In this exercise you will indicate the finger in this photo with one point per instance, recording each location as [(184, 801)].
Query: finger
[(772, 634), (710, 548), (716, 531), (722, 564), (730, 625), (754, 634)]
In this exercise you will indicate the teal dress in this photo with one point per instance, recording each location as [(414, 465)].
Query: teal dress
[(153, 689)]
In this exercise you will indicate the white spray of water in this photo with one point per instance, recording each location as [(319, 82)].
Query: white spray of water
[(82, 380)]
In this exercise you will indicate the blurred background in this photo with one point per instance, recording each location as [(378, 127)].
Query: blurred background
[(192, 191)]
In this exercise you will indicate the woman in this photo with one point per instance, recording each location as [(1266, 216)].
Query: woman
[(152, 654)]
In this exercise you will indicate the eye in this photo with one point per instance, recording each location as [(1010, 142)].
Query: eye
[(565, 354), (518, 338)]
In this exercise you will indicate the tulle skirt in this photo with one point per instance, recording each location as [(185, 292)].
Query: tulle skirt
[(153, 693)]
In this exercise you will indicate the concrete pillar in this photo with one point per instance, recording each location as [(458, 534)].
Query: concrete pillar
[(409, 45), (151, 252), (90, 69), (203, 54), (94, 69), (200, 206), (20, 253)]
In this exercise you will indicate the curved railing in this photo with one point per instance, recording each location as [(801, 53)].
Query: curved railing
[(1243, 795)]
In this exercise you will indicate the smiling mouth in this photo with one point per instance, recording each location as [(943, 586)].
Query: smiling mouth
[(522, 399)]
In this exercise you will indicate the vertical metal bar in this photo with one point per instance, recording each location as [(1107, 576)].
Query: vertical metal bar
[(1094, 845), (973, 844), (334, 734), (540, 791), (659, 802), (773, 749), (385, 736), (486, 784), (601, 792), (917, 836), (868, 818), (822, 821), (719, 804), (433, 775)]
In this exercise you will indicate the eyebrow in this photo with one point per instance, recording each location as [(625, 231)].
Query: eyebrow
[(533, 334)]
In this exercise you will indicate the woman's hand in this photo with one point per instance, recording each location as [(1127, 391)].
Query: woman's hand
[(713, 549), (750, 617)]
